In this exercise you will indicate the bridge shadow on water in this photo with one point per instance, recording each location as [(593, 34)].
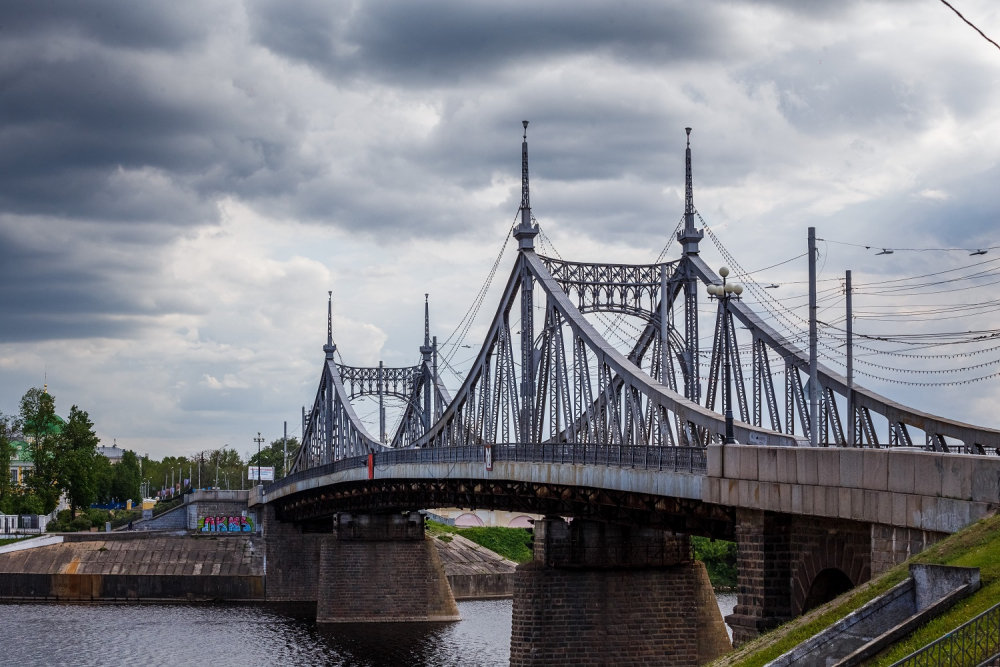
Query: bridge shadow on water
[(482, 637)]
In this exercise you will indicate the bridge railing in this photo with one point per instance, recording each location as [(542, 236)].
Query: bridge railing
[(692, 460), (973, 644)]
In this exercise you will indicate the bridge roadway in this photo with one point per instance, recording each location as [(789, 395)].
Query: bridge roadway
[(687, 489)]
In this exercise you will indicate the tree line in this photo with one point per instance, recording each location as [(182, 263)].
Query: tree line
[(64, 457)]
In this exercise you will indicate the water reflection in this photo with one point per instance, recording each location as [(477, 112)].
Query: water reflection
[(152, 635)]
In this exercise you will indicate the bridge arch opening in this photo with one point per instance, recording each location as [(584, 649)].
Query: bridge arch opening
[(827, 585), (521, 522), (468, 520)]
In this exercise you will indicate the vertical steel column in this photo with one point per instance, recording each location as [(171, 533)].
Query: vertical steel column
[(851, 417), (284, 456), (813, 344)]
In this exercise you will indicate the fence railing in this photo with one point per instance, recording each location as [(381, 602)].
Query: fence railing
[(973, 644), (692, 460)]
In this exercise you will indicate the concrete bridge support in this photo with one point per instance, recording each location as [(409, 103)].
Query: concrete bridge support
[(382, 568), (600, 594)]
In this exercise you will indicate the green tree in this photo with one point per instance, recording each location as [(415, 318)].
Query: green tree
[(9, 426), (126, 479), (41, 428), (274, 455), (104, 476), (76, 460)]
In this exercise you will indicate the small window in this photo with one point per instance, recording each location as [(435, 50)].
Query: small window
[(13, 475)]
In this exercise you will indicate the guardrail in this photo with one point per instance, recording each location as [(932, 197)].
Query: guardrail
[(972, 644), (692, 460)]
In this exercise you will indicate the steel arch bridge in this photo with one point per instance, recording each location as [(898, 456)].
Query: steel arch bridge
[(558, 385)]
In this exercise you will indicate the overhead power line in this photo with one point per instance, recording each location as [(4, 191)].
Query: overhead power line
[(948, 5)]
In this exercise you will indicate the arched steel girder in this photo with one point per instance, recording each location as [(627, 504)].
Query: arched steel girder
[(333, 430), (654, 396)]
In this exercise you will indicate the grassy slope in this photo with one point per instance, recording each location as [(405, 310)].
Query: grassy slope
[(976, 546), (511, 543)]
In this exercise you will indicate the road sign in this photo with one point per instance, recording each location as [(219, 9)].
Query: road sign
[(266, 473)]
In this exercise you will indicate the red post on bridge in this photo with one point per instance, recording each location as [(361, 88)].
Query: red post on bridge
[(371, 466)]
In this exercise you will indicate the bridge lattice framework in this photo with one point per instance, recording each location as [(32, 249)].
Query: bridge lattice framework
[(564, 383)]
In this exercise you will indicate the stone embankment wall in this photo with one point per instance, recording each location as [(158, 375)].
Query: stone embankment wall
[(135, 567), (474, 572)]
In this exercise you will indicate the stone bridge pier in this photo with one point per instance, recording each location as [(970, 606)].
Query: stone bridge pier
[(604, 594), (382, 568), (789, 564), (357, 568)]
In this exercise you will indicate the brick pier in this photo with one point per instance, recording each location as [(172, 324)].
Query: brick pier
[(382, 568), (599, 594)]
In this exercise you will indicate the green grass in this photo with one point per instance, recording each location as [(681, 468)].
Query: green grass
[(976, 546), (511, 543), (9, 540)]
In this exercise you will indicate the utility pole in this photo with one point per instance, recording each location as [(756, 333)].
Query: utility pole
[(664, 339), (284, 456), (434, 372), (381, 402), (813, 343), (851, 419), (258, 440)]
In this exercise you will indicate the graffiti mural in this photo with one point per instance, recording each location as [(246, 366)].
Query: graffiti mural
[(226, 524)]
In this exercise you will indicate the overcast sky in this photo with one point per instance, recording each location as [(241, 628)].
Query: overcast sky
[(182, 182)]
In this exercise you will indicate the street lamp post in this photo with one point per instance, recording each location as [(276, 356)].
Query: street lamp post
[(724, 293)]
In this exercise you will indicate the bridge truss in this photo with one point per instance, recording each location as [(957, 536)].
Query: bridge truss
[(561, 382)]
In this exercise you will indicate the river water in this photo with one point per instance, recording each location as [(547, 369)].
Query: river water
[(218, 636)]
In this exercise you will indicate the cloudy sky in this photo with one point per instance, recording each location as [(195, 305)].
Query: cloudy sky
[(182, 182)]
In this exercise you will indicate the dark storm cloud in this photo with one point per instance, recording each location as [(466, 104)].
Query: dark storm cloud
[(131, 25), (450, 41)]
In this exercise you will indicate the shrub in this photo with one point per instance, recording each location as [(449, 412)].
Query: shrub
[(64, 516), (55, 526), (719, 557), (98, 517), (80, 523)]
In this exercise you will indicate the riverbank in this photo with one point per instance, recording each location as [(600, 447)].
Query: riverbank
[(148, 566)]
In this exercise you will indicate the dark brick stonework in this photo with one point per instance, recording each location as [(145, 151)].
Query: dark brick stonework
[(292, 565), (780, 558), (579, 614), (382, 568)]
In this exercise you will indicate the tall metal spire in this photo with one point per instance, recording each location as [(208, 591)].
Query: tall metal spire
[(426, 352), (689, 236), (427, 321), (329, 348), (525, 232)]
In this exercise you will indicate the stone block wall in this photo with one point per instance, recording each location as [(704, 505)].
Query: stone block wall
[(764, 563), (382, 568), (890, 545), (577, 616), (292, 559), (594, 596)]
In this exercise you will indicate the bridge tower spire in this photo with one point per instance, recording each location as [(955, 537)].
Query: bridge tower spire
[(525, 234), (526, 230), (426, 351), (689, 238), (329, 348)]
